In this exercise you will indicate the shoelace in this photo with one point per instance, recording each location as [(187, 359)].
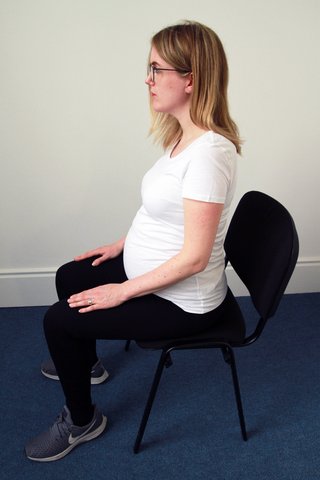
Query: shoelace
[(61, 426)]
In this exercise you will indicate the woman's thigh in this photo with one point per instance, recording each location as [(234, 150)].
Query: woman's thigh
[(74, 277), (143, 318)]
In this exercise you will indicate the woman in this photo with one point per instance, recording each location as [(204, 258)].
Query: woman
[(166, 277)]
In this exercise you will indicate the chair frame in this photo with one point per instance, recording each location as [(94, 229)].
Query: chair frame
[(194, 342), (166, 361)]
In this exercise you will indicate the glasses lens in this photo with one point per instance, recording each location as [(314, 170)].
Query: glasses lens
[(150, 71)]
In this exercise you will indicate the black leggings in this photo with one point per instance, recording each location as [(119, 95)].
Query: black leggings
[(71, 336)]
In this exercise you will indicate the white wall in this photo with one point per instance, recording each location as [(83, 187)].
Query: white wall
[(74, 120)]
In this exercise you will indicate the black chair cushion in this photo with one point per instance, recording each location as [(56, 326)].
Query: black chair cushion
[(230, 329)]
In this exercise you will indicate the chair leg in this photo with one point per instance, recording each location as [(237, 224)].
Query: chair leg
[(168, 361), (127, 345), (152, 394), (226, 355), (232, 363)]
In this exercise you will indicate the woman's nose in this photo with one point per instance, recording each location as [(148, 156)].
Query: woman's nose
[(148, 80)]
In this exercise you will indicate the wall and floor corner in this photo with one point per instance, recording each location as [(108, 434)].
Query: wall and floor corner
[(74, 121), (37, 287)]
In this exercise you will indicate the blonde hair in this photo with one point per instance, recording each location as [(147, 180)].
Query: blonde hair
[(193, 47)]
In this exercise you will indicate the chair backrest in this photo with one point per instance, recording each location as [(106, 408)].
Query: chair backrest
[(262, 246)]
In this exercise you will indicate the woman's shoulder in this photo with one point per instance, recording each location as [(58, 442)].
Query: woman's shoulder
[(213, 146), (216, 140)]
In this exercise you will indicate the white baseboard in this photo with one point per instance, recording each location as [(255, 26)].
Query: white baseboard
[(30, 287), (36, 287)]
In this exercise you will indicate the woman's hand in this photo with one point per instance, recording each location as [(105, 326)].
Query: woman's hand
[(104, 253), (104, 296)]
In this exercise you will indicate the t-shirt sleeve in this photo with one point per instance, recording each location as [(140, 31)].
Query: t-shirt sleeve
[(208, 175)]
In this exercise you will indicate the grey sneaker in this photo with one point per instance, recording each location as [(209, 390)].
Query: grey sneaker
[(98, 373), (63, 436)]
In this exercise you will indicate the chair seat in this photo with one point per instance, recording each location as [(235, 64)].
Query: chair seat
[(230, 329)]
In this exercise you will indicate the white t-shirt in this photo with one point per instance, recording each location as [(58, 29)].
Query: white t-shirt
[(206, 171)]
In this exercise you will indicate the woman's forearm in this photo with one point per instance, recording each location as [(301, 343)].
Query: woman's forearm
[(172, 271)]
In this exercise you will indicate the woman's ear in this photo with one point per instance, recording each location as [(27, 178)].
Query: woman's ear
[(189, 83)]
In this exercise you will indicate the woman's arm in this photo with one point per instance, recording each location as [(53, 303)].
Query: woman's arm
[(201, 220)]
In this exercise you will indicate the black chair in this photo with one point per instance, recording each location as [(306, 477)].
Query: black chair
[(262, 246)]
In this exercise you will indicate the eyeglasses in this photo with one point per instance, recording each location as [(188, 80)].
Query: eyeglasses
[(152, 70)]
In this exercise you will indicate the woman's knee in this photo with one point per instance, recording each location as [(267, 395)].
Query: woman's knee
[(55, 317), (68, 277), (63, 276), (73, 277)]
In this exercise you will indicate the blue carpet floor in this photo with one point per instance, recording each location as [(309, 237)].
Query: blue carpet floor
[(193, 432)]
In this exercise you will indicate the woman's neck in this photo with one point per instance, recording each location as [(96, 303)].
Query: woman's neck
[(189, 135)]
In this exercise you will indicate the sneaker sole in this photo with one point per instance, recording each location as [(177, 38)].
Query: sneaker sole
[(85, 438), (48, 375), (94, 380), (97, 380)]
